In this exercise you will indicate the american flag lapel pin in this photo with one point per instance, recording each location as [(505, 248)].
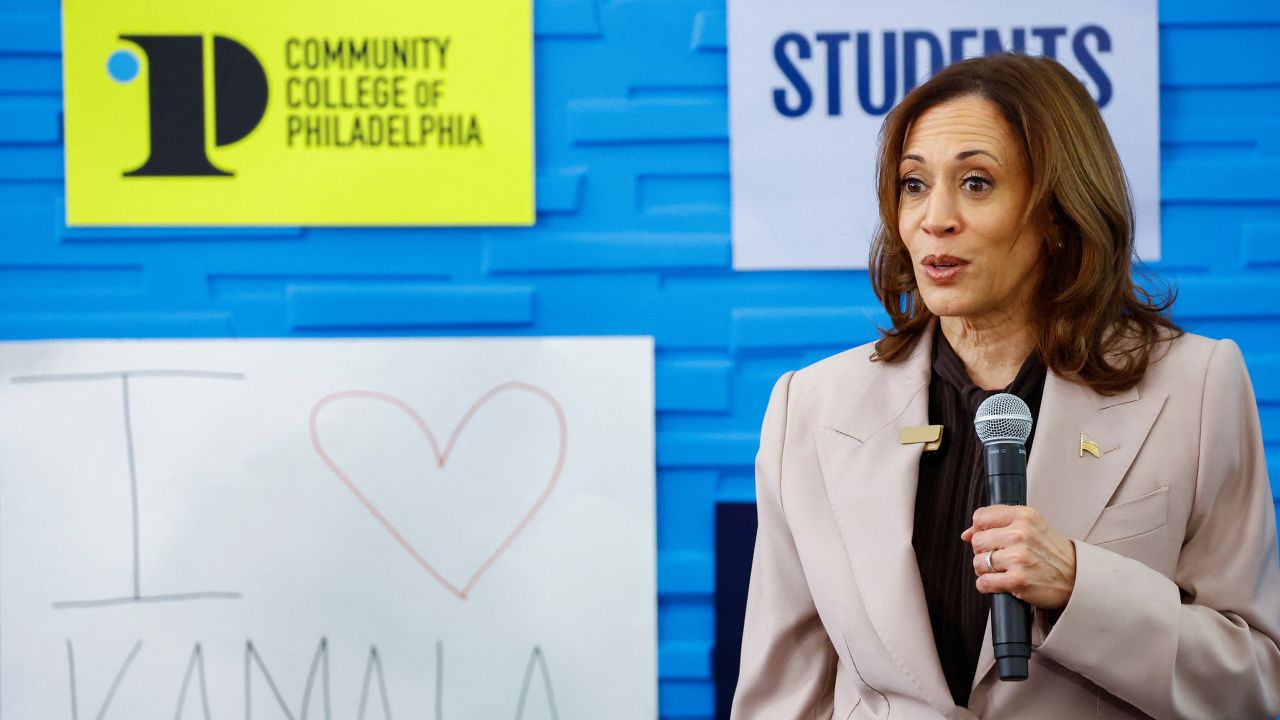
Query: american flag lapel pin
[(1088, 446)]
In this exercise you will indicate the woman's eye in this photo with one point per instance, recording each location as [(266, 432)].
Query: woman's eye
[(976, 184), (911, 185)]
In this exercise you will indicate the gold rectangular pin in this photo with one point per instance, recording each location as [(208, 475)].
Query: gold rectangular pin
[(930, 435)]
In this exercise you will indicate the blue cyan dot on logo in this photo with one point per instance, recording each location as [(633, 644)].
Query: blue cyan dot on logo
[(122, 66)]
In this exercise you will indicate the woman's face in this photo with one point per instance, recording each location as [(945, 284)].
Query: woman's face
[(963, 190)]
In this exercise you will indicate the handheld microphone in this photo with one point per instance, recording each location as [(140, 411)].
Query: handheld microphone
[(1003, 423)]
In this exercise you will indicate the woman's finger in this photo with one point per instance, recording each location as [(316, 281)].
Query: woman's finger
[(985, 562), (994, 516), (996, 538), (1014, 582)]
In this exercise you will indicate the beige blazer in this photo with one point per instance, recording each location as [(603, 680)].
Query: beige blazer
[(1176, 607)]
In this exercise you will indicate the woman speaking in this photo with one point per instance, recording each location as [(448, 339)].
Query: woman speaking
[(1147, 548)]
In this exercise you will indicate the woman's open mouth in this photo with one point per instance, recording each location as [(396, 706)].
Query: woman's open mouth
[(942, 269)]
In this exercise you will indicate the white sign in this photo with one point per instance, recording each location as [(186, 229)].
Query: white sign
[(810, 83), (360, 529)]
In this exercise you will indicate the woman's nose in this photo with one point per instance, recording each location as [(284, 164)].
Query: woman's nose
[(940, 215)]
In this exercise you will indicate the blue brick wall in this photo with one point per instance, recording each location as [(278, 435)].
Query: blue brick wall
[(632, 238)]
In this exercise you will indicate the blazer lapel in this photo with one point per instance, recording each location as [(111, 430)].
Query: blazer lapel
[(1069, 487), (871, 484)]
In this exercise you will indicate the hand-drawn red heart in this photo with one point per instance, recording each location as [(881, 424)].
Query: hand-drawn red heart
[(442, 457)]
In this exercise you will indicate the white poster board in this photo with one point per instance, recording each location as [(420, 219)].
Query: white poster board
[(445, 529), (811, 81)]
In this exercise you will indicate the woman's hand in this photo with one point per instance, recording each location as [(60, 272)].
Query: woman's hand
[(1032, 561)]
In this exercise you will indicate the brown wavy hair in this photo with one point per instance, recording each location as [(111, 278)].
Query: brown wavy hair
[(1094, 323)]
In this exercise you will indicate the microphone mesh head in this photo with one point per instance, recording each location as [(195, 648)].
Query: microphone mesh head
[(1003, 417)]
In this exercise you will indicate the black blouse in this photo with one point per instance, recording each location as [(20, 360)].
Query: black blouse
[(951, 487)]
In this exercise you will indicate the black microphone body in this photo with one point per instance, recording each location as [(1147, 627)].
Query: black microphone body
[(1006, 463)]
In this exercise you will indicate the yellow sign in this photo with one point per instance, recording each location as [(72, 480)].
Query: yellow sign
[(299, 112)]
